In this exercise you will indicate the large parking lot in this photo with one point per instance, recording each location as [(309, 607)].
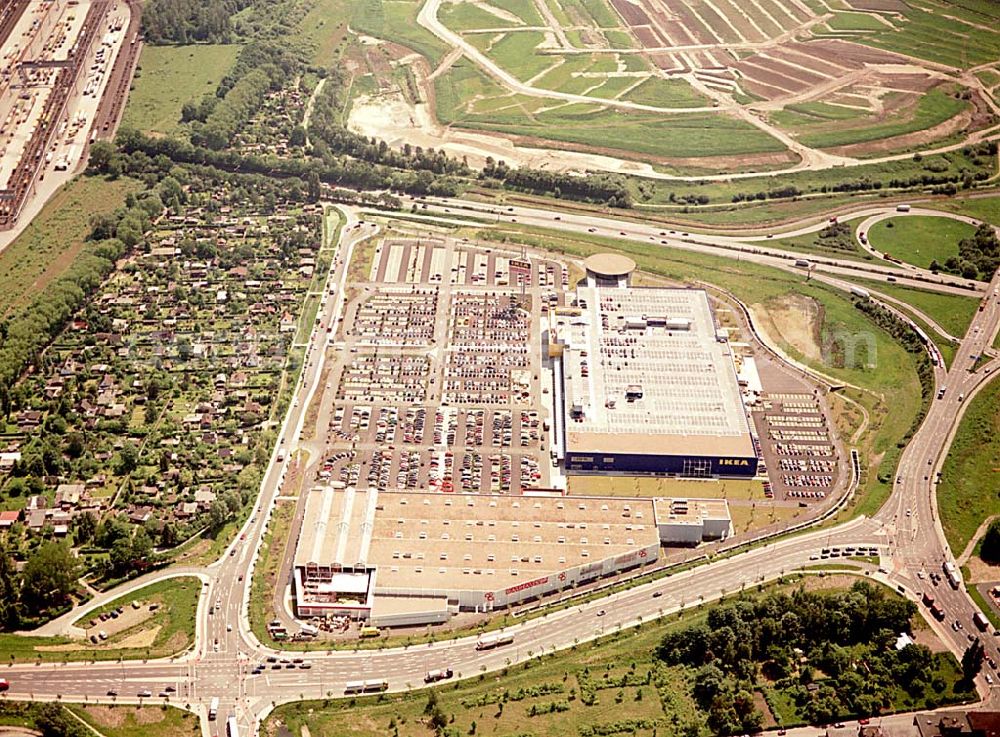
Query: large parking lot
[(798, 450), (436, 383)]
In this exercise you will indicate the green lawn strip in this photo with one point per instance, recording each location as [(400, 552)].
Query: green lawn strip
[(980, 600), (952, 312), (613, 685), (667, 93), (56, 237), (919, 240), (169, 76), (855, 22), (983, 208), (265, 575), (874, 178), (175, 617), (108, 721), (967, 493), (135, 721), (396, 21)]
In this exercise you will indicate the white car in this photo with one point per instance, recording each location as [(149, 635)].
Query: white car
[(989, 679)]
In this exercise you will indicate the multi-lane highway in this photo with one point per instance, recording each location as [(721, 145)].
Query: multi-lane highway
[(906, 531)]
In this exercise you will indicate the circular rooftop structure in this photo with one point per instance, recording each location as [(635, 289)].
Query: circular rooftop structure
[(609, 266)]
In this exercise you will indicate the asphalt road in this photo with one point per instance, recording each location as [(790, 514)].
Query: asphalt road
[(906, 531)]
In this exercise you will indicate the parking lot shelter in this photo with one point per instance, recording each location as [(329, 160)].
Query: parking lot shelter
[(649, 387)]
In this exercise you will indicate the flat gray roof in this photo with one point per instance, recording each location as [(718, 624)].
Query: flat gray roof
[(660, 343), (434, 540)]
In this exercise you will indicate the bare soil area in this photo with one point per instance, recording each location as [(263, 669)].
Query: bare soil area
[(797, 320)]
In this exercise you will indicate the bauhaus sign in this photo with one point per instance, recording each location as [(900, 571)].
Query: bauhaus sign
[(526, 585)]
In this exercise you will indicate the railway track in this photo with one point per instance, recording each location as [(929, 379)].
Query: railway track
[(28, 167), (10, 13), (116, 93)]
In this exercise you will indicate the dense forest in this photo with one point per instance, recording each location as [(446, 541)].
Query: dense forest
[(831, 654)]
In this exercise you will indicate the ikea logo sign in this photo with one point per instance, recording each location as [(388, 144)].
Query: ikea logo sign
[(734, 462)]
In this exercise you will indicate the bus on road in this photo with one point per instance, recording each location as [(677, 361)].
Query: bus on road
[(231, 729), (488, 642), (980, 621), (372, 686), (213, 709), (952, 574)]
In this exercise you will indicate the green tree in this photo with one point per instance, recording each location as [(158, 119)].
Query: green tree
[(10, 595), (49, 575), (972, 659), (53, 721), (990, 550)]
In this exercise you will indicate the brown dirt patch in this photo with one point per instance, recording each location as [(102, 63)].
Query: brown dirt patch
[(105, 716), (981, 571), (143, 638), (829, 581), (797, 320)]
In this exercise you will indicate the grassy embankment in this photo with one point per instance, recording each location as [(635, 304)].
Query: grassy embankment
[(817, 128), (166, 631), (968, 492), (54, 239), (168, 77), (919, 240)]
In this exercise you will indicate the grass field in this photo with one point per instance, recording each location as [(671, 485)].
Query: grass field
[(919, 240), (932, 108), (48, 246), (950, 311), (645, 486), (172, 624), (169, 77), (396, 20), (465, 16), (495, 109), (135, 721), (984, 208), (963, 40), (323, 29), (667, 93), (968, 492), (614, 686)]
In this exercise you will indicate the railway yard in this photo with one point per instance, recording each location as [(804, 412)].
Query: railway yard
[(63, 84)]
